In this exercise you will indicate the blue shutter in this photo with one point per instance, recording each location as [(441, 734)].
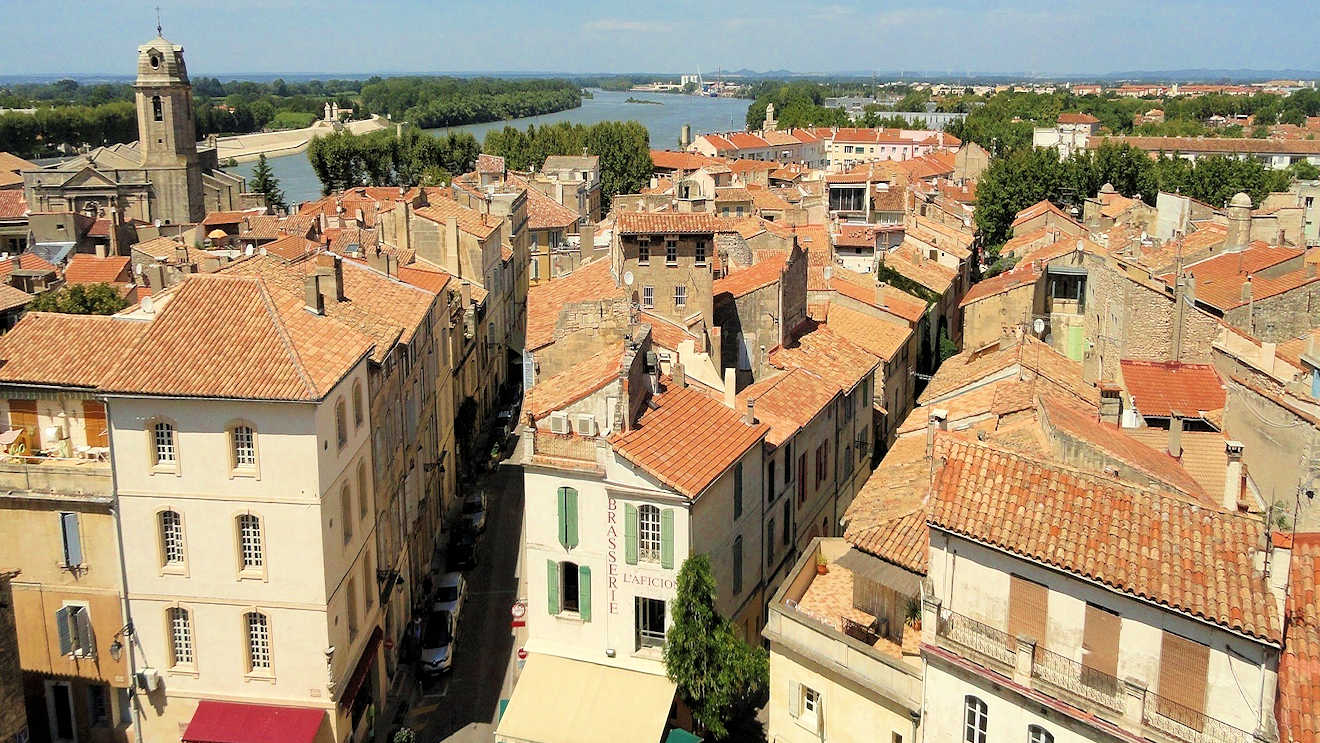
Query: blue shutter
[(65, 628), (72, 543)]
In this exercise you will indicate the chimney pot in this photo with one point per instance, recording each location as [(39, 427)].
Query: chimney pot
[(312, 296), (749, 416), (1233, 475), (1175, 434), (680, 377), (1246, 289)]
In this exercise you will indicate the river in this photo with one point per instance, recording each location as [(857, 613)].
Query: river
[(663, 122)]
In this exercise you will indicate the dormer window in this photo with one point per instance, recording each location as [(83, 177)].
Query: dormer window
[(155, 61)]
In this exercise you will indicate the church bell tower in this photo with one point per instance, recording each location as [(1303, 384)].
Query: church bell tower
[(167, 136)]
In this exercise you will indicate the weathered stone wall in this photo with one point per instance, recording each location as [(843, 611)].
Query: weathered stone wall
[(1280, 317)]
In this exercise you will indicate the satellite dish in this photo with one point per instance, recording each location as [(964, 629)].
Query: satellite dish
[(1038, 325), (628, 278), (148, 305)]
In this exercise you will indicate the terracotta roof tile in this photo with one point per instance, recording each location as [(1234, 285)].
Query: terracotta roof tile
[(1297, 708), (930, 274), (217, 324), (1029, 355), (25, 262), (1160, 387), (88, 269), (160, 248), (687, 439), (880, 337), (11, 297), (589, 283), (469, 220), (787, 402), (1076, 118), (823, 352), (12, 203), (1041, 207), (688, 223), (225, 218), (432, 281), (756, 276), (1137, 542), (665, 333), (490, 163), (1023, 275), (670, 160), (292, 247), (67, 350), (574, 383), (887, 517)]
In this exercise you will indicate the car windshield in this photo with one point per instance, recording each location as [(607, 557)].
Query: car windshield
[(449, 593), (437, 633)]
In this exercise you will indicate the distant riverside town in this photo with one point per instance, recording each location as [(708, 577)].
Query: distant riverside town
[(914, 412)]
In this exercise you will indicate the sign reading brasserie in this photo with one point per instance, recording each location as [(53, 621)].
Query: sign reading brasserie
[(618, 575)]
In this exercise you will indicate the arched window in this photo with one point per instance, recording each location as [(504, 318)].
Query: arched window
[(157, 111), (181, 639), (648, 533), (243, 446), (258, 641), (346, 503), (250, 553), (171, 538), (359, 413), (163, 444), (1038, 734), (341, 423), (362, 489), (975, 720)]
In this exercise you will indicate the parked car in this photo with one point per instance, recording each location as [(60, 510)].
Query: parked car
[(474, 512), (451, 594), (462, 550), (438, 643)]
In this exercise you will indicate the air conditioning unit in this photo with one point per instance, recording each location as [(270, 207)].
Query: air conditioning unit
[(584, 425), (148, 679), (559, 423)]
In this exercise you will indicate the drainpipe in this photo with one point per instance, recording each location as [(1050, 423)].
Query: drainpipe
[(130, 636)]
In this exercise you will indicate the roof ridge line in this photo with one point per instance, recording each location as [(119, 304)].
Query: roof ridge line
[(274, 315)]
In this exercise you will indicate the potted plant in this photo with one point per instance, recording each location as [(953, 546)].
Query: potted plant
[(822, 566), (912, 613)]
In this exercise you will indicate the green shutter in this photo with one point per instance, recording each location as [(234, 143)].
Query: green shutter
[(630, 533), (562, 510), (552, 586), (667, 538), (1076, 342), (584, 593), (571, 518)]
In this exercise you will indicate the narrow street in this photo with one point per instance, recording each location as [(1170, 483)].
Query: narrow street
[(463, 704)]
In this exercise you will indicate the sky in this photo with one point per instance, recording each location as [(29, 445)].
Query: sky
[(1060, 37)]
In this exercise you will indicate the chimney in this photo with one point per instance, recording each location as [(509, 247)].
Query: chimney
[(451, 245), (1311, 268), (680, 378), (1175, 434), (731, 388), (1233, 475), (312, 296), (880, 288), (1267, 353), (465, 291), (938, 421), (1246, 289), (587, 239), (330, 273), (749, 415), (1111, 403)]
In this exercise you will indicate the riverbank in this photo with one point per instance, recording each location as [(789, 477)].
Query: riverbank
[(248, 147)]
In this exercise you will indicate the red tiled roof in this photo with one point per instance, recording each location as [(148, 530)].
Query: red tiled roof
[(665, 333), (1137, 542), (72, 350), (1076, 118), (747, 280), (788, 402), (1039, 208), (589, 283), (574, 383), (469, 220), (687, 439), (221, 218), (432, 281), (1023, 275), (12, 203), (291, 247), (820, 350), (1297, 707), (652, 223), (1159, 387), (880, 337), (88, 269), (887, 517), (25, 262), (747, 165), (490, 163)]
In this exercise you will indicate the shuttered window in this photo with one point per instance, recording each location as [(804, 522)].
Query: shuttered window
[(72, 539), (1184, 665), (98, 433), (1027, 602), (1100, 649), (567, 506)]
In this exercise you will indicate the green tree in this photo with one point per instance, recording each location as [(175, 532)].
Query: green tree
[(80, 299), (1012, 184), (722, 679), (264, 182)]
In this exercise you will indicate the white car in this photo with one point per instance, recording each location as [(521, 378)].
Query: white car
[(451, 594), (438, 643), (474, 512)]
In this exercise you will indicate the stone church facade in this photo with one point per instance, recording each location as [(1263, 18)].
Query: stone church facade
[(163, 176)]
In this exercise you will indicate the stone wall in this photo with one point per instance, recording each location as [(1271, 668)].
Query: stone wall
[(1280, 317), (13, 715)]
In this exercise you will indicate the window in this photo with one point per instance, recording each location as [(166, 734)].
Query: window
[(811, 708), (171, 538), (788, 462), (181, 637), (770, 542), (737, 565), (770, 481), (162, 437), (1069, 287), (74, 623), (1038, 734), (974, 720), (1182, 684), (249, 542), (648, 533), (788, 521), (568, 586), (244, 441), (341, 424), (98, 705), (643, 255), (358, 411), (568, 517), (157, 110), (346, 512), (1028, 604), (737, 490), (368, 580), (649, 618), (648, 297), (671, 252), (258, 641), (822, 462), (351, 608), (701, 253), (73, 556), (680, 296), (362, 489), (1100, 633)]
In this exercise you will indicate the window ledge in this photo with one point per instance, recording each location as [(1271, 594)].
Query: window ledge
[(571, 616), (650, 653), (252, 574), (189, 671), (174, 569), (264, 676)]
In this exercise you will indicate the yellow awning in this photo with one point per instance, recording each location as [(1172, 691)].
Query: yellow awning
[(558, 700)]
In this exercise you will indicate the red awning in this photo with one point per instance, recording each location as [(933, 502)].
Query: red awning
[(365, 663), (228, 722)]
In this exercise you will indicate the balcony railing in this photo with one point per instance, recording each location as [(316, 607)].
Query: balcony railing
[(1077, 680), (985, 642), (1187, 724), (859, 631)]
